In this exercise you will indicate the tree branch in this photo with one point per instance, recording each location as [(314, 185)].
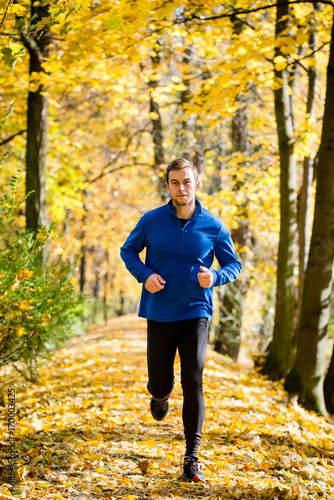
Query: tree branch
[(12, 35), (237, 12), (5, 14), (120, 167), (8, 355), (314, 51), (5, 141)]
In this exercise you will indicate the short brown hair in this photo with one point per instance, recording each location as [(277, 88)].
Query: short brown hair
[(179, 164)]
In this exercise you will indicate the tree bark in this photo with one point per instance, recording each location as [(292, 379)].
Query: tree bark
[(105, 287), (329, 386), (280, 352), (240, 136), (307, 376), (184, 129), (97, 282), (67, 236), (37, 127), (83, 249), (305, 197), (227, 339), (189, 132), (157, 129), (120, 309)]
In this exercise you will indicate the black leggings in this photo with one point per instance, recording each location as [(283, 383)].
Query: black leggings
[(190, 338)]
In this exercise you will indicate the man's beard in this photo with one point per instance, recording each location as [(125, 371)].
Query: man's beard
[(182, 203)]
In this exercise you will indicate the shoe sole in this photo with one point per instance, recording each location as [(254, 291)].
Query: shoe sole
[(195, 479), (159, 419)]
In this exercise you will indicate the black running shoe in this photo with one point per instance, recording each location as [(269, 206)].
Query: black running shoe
[(191, 470), (159, 409)]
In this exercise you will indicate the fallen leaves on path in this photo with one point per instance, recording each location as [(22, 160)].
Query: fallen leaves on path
[(85, 432)]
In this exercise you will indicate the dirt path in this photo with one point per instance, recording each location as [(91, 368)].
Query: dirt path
[(85, 431)]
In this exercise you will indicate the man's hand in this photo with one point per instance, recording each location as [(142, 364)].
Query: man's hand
[(205, 278), (154, 283)]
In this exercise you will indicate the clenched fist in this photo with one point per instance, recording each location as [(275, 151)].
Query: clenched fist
[(154, 283), (205, 278)]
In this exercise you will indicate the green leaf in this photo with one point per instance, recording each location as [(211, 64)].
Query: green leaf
[(34, 17), (20, 23)]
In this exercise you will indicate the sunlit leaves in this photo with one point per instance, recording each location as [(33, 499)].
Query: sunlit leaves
[(86, 429), (280, 63)]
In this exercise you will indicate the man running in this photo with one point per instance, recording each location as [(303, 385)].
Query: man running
[(181, 239)]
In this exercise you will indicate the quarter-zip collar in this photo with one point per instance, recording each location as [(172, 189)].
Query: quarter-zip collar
[(198, 209)]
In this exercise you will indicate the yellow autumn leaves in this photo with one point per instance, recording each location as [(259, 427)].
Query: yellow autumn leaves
[(96, 436), (24, 274)]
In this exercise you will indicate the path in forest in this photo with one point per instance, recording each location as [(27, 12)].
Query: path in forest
[(85, 430)]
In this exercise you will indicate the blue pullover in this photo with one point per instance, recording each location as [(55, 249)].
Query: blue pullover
[(176, 254)]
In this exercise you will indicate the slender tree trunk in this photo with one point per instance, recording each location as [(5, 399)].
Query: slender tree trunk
[(184, 128), (83, 249), (37, 126), (189, 132), (227, 339), (281, 349), (307, 376), (120, 309), (97, 282), (305, 197), (83, 264), (67, 235), (157, 129), (105, 287), (157, 133), (240, 136), (199, 148), (329, 386)]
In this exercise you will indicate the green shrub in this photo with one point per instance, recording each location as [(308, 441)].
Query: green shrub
[(37, 302)]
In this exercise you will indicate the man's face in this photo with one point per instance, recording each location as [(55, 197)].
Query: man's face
[(182, 186)]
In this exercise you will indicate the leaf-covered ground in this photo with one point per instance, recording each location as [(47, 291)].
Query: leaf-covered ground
[(85, 431)]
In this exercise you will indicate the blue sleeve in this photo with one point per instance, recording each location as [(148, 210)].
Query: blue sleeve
[(135, 243), (230, 265)]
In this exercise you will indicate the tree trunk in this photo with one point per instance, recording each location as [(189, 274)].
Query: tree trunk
[(227, 339), (305, 197), (189, 132), (120, 310), (184, 129), (240, 136), (157, 130), (105, 287), (281, 349), (67, 235), (329, 386), (97, 282), (37, 126), (83, 249), (231, 300), (307, 376)]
